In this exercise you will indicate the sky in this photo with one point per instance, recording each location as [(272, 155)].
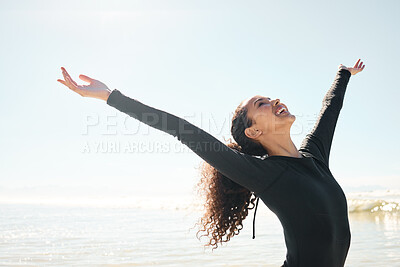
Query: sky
[(197, 60)]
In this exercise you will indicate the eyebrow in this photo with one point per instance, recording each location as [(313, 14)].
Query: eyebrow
[(258, 99)]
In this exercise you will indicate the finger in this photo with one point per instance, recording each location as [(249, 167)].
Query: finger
[(355, 65), (362, 67), (64, 70), (72, 81), (65, 74), (69, 76), (69, 80), (86, 78), (61, 81), (68, 85), (359, 66)]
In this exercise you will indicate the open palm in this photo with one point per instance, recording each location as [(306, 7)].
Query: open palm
[(95, 88), (358, 67)]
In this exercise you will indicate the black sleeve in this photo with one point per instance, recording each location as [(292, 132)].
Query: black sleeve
[(318, 142), (241, 168)]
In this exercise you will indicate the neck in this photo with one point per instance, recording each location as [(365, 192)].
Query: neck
[(280, 145)]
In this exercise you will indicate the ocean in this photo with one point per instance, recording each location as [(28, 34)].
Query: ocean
[(149, 231)]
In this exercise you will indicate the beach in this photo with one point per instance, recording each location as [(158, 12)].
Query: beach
[(160, 232)]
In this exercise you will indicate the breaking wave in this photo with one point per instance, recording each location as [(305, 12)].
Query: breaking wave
[(372, 201)]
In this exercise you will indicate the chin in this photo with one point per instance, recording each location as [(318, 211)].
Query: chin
[(291, 118)]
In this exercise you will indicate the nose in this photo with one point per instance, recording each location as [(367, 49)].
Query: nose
[(277, 101)]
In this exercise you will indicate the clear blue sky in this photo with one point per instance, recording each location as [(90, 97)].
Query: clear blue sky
[(198, 60)]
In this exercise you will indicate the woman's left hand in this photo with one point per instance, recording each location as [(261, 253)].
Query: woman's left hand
[(358, 67)]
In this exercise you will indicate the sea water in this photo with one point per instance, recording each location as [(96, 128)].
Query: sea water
[(160, 232)]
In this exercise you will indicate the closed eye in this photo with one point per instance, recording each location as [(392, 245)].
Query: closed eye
[(255, 102), (261, 103)]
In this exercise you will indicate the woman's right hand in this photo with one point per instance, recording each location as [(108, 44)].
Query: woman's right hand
[(95, 89)]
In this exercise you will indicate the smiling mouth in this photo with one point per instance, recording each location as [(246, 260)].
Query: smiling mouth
[(281, 110)]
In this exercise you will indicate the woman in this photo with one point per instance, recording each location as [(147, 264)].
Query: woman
[(295, 184)]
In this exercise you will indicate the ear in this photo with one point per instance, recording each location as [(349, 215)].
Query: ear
[(252, 133)]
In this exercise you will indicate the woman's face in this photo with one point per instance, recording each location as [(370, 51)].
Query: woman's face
[(268, 116)]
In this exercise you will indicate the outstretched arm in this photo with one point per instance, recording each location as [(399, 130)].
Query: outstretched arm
[(319, 141), (241, 168)]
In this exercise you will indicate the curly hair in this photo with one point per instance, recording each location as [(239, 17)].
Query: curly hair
[(227, 203)]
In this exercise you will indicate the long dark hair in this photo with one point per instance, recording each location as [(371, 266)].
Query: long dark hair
[(227, 203)]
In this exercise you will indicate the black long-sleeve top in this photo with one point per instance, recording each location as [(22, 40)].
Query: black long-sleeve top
[(302, 192)]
